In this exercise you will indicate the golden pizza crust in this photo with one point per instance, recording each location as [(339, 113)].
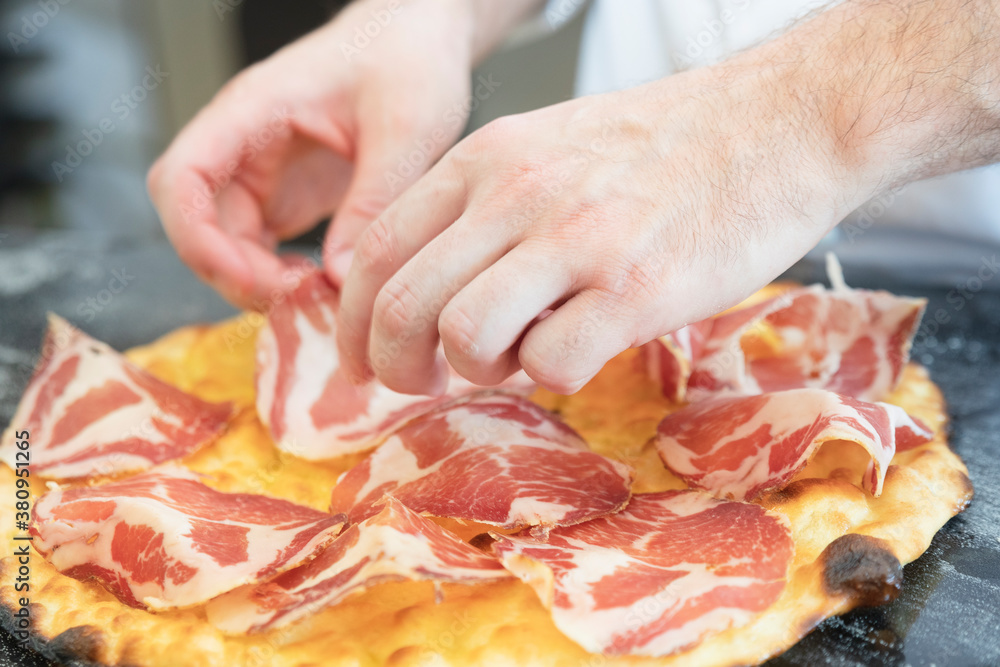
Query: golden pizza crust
[(499, 623)]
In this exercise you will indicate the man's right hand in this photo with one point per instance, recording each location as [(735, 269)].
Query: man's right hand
[(341, 120)]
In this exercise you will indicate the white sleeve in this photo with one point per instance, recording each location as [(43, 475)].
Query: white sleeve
[(555, 15)]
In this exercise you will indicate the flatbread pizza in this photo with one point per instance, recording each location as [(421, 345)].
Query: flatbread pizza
[(226, 498)]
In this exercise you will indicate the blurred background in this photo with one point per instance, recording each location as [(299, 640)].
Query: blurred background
[(141, 70), (91, 92)]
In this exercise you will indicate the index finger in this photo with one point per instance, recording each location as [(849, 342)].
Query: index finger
[(214, 223), (422, 212), (211, 253)]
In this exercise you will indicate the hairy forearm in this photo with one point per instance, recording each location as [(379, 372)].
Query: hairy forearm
[(906, 88)]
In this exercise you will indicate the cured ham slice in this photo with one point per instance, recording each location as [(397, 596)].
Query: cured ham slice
[(663, 574), (91, 412), (493, 458), (853, 342), (395, 544), (162, 539), (311, 407), (738, 447), (669, 358)]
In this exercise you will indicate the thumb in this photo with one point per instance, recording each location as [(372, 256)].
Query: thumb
[(381, 174)]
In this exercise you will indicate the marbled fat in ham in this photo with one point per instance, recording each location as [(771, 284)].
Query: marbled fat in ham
[(668, 359), (312, 408), (163, 539), (91, 412), (393, 545), (492, 458), (669, 570), (740, 446), (853, 342)]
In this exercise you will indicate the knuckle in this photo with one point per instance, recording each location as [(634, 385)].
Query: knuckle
[(459, 333), (497, 132), (240, 87), (629, 274), (446, 180), (376, 246), (464, 158), (532, 177), (580, 222), (397, 309), (366, 207), (497, 135)]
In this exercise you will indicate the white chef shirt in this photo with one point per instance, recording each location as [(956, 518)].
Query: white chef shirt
[(630, 42)]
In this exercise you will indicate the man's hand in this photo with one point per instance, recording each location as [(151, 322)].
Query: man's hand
[(554, 240), (321, 126)]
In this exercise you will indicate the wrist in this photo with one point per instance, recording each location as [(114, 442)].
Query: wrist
[(780, 147), (901, 91)]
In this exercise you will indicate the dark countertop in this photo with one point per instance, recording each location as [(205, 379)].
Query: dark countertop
[(949, 610)]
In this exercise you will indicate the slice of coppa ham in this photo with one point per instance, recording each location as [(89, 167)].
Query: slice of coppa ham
[(853, 342), (741, 446), (91, 412), (668, 359), (669, 570), (312, 408), (164, 540), (493, 458), (393, 545)]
